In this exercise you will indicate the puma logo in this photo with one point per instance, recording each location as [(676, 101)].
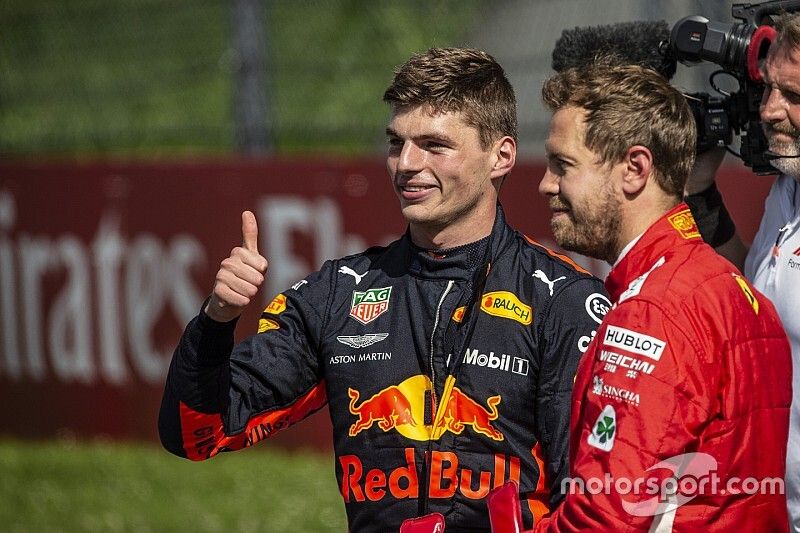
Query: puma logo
[(543, 277), (350, 272)]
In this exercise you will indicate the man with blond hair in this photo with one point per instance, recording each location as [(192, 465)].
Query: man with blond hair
[(446, 358), (683, 392)]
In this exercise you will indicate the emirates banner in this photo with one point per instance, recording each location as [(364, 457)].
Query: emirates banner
[(103, 264)]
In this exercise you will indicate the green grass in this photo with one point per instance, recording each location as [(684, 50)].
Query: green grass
[(61, 486)]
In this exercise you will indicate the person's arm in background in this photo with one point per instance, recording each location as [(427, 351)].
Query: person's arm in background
[(712, 217)]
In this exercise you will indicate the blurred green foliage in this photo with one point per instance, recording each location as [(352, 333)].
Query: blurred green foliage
[(86, 487), (148, 77)]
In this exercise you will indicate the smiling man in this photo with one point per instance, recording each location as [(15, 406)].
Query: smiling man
[(683, 392), (446, 358)]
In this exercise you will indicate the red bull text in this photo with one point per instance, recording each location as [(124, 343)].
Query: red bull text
[(446, 478)]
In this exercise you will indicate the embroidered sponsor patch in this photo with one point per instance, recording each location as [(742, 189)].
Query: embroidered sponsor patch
[(370, 304), (360, 341), (612, 392), (597, 306), (634, 342), (632, 365), (540, 275), (267, 324), (508, 363), (458, 314), (277, 305), (604, 430), (748, 292), (684, 223), (350, 272), (506, 305)]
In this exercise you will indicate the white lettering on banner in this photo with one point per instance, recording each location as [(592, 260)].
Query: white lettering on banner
[(321, 219), (282, 215), (127, 287), (634, 342), (87, 312)]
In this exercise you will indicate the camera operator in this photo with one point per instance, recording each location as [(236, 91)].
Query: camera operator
[(772, 262)]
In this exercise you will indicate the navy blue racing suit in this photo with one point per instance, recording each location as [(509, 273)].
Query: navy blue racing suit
[(445, 375)]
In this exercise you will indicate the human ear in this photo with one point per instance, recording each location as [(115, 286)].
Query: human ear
[(638, 167), (504, 156)]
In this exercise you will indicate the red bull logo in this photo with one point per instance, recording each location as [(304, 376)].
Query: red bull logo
[(461, 410), (389, 408), (447, 476), (402, 408)]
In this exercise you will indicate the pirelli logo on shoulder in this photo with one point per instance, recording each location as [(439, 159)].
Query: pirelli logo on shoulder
[(277, 305), (634, 342), (506, 305)]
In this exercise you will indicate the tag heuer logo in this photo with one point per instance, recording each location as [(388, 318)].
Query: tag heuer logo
[(370, 304), (604, 430)]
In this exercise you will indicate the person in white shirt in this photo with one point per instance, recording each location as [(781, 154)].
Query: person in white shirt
[(772, 262)]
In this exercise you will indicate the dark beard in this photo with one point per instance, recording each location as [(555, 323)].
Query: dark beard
[(592, 233)]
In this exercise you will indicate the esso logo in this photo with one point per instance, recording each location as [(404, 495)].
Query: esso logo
[(597, 306)]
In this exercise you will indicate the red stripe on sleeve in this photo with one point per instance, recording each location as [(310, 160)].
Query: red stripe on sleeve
[(204, 436)]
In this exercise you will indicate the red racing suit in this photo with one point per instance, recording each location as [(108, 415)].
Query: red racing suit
[(687, 381), (444, 376)]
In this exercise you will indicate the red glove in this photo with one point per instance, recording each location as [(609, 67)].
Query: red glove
[(430, 523), (505, 511)]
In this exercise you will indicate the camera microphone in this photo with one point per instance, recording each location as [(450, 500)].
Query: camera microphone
[(636, 43)]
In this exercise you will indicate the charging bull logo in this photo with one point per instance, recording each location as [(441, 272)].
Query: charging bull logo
[(461, 410), (402, 408), (389, 408)]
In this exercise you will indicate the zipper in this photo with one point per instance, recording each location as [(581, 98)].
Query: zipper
[(433, 334), (430, 401)]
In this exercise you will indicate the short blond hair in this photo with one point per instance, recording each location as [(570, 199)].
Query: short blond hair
[(629, 105), (462, 80)]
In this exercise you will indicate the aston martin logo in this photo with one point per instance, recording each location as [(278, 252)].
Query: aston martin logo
[(360, 341)]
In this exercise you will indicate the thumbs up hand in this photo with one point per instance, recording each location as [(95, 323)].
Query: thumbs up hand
[(239, 276)]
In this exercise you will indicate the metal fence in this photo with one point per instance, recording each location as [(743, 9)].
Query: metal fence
[(155, 78)]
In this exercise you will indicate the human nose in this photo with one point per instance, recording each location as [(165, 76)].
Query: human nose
[(773, 106), (548, 186), (410, 159)]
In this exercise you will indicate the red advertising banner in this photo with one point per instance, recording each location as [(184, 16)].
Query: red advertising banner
[(102, 265)]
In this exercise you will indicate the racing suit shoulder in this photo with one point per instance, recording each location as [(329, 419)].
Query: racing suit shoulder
[(569, 304)]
